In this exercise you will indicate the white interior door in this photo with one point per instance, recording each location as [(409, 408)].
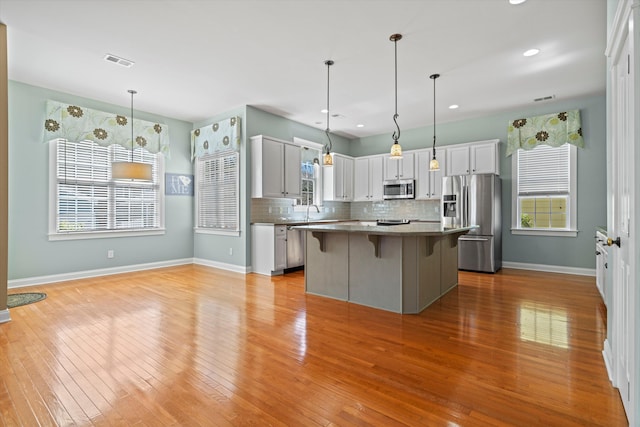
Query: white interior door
[(622, 252)]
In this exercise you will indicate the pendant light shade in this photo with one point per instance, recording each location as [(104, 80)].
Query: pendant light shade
[(131, 170), (327, 158), (434, 164), (396, 149)]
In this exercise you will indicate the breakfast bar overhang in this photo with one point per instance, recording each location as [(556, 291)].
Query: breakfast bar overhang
[(401, 268)]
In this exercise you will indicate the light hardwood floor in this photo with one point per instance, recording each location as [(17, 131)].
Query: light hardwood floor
[(196, 346)]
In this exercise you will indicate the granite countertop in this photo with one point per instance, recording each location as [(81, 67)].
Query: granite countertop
[(370, 227)]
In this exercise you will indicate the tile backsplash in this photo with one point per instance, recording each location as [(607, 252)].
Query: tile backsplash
[(274, 210), (425, 210)]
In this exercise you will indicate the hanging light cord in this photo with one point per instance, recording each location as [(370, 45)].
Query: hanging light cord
[(132, 92), (434, 77), (329, 146), (396, 135)]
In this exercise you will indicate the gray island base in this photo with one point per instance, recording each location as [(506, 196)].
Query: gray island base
[(400, 268)]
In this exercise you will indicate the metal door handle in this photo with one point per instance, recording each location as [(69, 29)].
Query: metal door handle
[(611, 242), (474, 239)]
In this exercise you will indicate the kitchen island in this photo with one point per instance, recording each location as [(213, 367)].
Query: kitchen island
[(400, 268)]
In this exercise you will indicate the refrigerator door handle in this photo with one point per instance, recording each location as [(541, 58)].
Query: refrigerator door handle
[(473, 239), (465, 211)]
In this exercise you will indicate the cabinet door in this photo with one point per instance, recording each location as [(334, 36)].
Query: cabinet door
[(272, 167), (375, 178), (347, 179), (435, 178), (361, 180), (405, 166), (338, 177), (390, 168), (484, 158), (457, 161), (428, 183), (280, 252), (292, 178)]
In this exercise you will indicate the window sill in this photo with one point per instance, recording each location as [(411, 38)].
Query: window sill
[(544, 232), (104, 234), (218, 232)]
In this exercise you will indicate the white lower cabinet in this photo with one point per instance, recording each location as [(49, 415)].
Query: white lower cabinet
[(268, 248)]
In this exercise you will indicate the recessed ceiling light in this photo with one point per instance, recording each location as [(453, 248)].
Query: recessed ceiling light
[(531, 52), (324, 111), (118, 60), (359, 125), (453, 106), (517, 1)]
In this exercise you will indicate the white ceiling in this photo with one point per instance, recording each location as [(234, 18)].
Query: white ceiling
[(195, 59)]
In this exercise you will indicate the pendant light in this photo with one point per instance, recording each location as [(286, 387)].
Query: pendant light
[(131, 170), (434, 164), (396, 149), (327, 159)]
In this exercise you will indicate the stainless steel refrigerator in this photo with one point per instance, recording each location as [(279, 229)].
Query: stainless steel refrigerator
[(475, 200)]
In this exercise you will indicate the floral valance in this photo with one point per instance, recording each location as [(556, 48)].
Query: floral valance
[(222, 136), (75, 123), (551, 129)]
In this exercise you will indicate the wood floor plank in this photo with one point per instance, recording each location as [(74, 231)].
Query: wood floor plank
[(193, 345)]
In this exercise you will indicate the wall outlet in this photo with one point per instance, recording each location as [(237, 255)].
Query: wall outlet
[(110, 253), (230, 251)]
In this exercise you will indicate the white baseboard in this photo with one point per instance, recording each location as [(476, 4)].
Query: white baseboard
[(4, 316), (41, 280), (222, 265), (607, 355), (550, 268)]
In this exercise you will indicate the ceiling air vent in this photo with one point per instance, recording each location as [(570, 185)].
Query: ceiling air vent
[(544, 98), (117, 60)]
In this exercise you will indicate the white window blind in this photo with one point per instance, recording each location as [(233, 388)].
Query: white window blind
[(544, 170), (89, 200), (217, 192)]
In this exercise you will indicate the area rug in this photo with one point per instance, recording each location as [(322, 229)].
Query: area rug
[(16, 300)]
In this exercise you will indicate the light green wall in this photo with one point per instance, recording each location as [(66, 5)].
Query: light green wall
[(564, 251), (31, 254)]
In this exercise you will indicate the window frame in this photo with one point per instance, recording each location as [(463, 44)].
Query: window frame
[(318, 198), (572, 231), (55, 235), (210, 230)]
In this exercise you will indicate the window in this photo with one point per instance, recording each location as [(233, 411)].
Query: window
[(218, 193), (544, 191), (87, 203), (310, 173)]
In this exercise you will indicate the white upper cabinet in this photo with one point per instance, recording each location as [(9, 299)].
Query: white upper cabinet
[(275, 168), (338, 179), (473, 158), (428, 183), (368, 179), (399, 169)]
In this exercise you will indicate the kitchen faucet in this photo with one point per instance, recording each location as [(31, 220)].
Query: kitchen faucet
[(317, 210)]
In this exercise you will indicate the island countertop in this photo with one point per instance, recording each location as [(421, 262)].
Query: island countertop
[(370, 227)]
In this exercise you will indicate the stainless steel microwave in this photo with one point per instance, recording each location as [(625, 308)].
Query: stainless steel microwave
[(398, 189)]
